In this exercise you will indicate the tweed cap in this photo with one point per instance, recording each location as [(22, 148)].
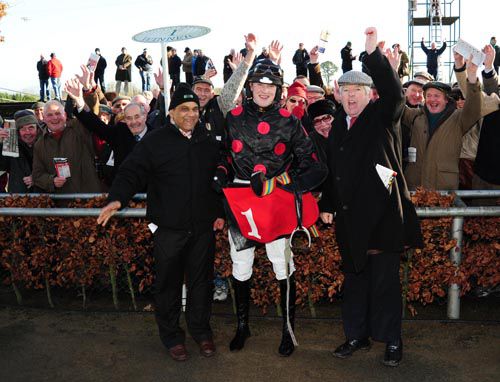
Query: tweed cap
[(22, 113), (315, 89), (414, 81), (426, 76), (28, 119), (354, 77), (445, 88), (105, 109), (120, 98), (202, 80)]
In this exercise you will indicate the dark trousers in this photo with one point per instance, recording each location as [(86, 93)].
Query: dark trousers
[(183, 256), (433, 72), (372, 305), (189, 78), (99, 80), (301, 70)]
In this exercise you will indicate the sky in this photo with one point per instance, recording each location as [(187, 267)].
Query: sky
[(73, 29)]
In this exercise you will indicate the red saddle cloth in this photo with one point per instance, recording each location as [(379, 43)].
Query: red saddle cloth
[(264, 219)]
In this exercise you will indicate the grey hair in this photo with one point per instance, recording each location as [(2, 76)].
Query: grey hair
[(141, 107), (59, 105)]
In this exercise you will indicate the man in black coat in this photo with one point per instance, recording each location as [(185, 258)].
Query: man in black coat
[(375, 218), (300, 60), (432, 57), (99, 70), (347, 57), (43, 76), (177, 164)]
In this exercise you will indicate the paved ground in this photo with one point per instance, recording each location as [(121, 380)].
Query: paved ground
[(43, 345)]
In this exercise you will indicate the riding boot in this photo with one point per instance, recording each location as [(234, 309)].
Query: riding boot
[(286, 346), (242, 296)]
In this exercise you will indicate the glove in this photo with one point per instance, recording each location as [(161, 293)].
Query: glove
[(220, 179), (299, 110)]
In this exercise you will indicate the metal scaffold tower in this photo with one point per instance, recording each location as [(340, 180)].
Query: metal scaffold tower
[(436, 21)]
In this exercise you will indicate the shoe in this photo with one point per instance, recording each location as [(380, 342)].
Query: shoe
[(350, 346), (287, 347), (393, 353), (242, 297), (207, 348), (178, 352), (221, 289)]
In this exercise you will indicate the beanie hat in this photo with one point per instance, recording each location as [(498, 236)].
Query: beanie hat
[(26, 120), (441, 86), (105, 109), (37, 105), (183, 94), (321, 107), (297, 89), (354, 77), (22, 113)]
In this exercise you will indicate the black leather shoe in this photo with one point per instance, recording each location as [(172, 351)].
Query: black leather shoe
[(350, 346), (393, 353)]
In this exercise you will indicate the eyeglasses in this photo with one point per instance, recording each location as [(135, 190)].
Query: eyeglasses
[(325, 119), (295, 100)]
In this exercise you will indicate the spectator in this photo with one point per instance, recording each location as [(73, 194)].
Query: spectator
[(200, 64), (296, 101), (20, 168), (314, 93), (414, 93), (68, 140), (264, 54), (99, 70), (375, 220), (227, 69), (37, 108), (347, 57), (144, 63), (432, 57), (174, 69), (423, 76), (177, 163), (55, 68), (300, 60), (404, 61), (43, 76), (364, 68), (187, 66), (322, 114), (193, 62), (496, 63), (123, 71), (436, 133)]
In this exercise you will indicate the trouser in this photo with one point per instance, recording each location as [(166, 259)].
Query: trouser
[(179, 256), (44, 90), (99, 80), (301, 70), (243, 260), (372, 305), (56, 85), (189, 78), (119, 86), (433, 72), (146, 80)]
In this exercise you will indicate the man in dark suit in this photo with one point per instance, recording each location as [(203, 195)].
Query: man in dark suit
[(375, 218), (177, 164)]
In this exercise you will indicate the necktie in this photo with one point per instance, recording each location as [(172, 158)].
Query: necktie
[(351, 121), (137, 138)]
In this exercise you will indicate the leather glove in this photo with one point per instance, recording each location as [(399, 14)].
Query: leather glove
[(220, 179)]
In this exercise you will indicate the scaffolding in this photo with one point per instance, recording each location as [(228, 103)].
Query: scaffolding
[(436, 21)]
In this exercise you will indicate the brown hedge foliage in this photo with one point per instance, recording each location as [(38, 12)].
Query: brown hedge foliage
[(75, 253)]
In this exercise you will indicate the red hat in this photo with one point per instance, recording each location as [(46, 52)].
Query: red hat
[(297, 89)]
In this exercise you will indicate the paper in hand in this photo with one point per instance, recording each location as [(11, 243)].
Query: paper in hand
[(10, 145), (465, 49), (92, 62), (386, 175)]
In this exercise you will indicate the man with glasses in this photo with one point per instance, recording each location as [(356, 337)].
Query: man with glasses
[(269, 150)]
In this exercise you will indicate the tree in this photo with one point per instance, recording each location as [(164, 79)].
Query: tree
[(328, 70)]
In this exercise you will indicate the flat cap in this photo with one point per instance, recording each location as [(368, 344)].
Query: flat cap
[(105, 109), (445, 88), (202, 80), (414, 81), (354, 77), (120, 98), (424, 75), (315, 89)]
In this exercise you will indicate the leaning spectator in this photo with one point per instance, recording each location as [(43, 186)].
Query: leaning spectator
[(55, 68), (69, 143), (20, 168), (436, 133), (144, 63)]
